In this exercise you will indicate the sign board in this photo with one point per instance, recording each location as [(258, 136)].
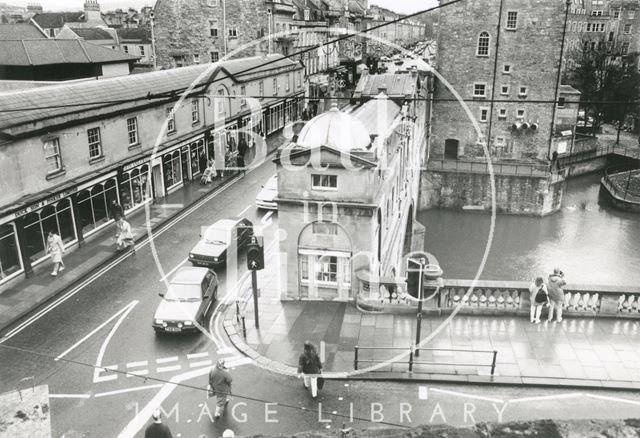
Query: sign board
[(562, 147)]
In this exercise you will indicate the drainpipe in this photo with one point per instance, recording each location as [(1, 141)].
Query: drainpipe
[(493, 85), (224, 26)]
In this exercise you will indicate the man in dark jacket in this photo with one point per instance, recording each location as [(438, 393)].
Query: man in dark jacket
[(556, 293), (157, 429), (220, 385), (117, 211)]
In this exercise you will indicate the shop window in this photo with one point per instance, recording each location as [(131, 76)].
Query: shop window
[(327, 269), (34, 237), (134, 187), (93, 205), (198, 157), (172, 169), (9, 253), (304, 267)]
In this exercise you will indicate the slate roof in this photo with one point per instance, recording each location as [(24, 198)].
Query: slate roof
[(20, 31), (91, 33), (49, 20), (49, 51), (398, 85), (368, 115), (87, 98), (137, 35)]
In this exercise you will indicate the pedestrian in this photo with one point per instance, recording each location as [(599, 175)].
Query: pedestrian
[(116, 210), (556, 294), (124, 237), (309, 366), (157, 429), (220, 385), (539, 296), (55, 248), (202, 162)]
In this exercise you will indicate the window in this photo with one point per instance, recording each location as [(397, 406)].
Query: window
[(484, 114), (324, 182), (215, 56), (132, 130), (520, 114), (95, 146), (512, 20), (213, 28), (171, 121), (261, 89), (213, 3), (479, 90), (275, 86), (522, 91), (125, 48), (52, 155), (307, 14), (597, 2), (220, 101), (304, 267), (233, 32), (611, 36), (195, 111), (625, 48), (330, 228), (561, 102), (483, 44), (141, 50), (504, 90), (299, 79), (627, 29), (631, 14), (327, 269), (502, 113), (243, 93), (616, 13), (596, 13), (588, 27), (506, 69), (288, 82)]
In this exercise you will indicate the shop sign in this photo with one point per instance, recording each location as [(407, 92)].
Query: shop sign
[(135, 164), (45, 202)]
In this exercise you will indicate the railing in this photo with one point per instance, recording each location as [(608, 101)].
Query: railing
[(600, 151), (516, 169), (614, 184), (413, 354)]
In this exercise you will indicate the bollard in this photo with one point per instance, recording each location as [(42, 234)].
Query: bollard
[(493, 363), (244, 328), (355, 359), (411, 359), (237, 311)]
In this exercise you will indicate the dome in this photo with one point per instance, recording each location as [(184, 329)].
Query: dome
[(335, 129)]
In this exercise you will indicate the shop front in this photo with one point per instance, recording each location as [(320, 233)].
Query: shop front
[(136, 184)]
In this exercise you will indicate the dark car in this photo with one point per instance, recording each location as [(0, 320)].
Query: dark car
[(216, 239), (191, 293)]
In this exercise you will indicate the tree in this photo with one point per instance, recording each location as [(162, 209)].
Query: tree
[(608, 81)]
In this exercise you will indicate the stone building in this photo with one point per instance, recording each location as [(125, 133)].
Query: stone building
[(509, 94), (52, 22), (403, 33)]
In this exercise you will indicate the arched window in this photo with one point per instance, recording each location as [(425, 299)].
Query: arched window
[(483, 44)]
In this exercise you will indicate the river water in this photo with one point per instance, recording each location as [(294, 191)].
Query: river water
[(590, 241)]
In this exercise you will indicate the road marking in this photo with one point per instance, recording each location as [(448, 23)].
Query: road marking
[(124, 391), (137, 373), (142, 363), (169, 368), (173, 270), (244, 211), (197, 355), (227, 350), (126, 308), (546, 397), (170, 205), (239, 362), (107, 378), (202, 363), (103, 347), (69, 395), (167, 359), (423, 393), (471, 396)]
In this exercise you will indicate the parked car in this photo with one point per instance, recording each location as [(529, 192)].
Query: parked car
[(267, 194), (187, 301), (216, 239)]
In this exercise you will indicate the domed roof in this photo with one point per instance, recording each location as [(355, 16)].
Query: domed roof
[(335, 129)]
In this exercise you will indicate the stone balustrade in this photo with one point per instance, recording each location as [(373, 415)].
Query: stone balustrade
[(500, 298)]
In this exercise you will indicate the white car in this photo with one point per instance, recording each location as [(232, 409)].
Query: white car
[(268, 194)]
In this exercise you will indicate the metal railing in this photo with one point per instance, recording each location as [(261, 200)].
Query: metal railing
[(516, 169), (615, 188), (412, 357), (591, 153)]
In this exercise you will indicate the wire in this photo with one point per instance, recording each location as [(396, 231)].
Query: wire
[(198, 388)]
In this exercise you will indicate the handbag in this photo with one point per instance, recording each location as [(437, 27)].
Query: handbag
[(320, 382), (541, 297)]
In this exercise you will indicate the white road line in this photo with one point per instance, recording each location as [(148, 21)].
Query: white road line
[(69, 395), (94, 331), (228, 350), (142, 363), (471, 396), (546, 397), (197, 355), (103, 347), (202, 363), (124, 391), (173, 270), (137, 373), (239, 362), (244, 211), (167, 359), (169, 368)]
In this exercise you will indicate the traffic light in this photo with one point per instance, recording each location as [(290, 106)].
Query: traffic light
[(255, 255), (413, 277)]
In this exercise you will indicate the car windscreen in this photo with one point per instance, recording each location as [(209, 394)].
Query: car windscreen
[(216, 235), (183, 292)]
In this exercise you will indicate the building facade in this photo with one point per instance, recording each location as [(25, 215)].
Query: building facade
[(64, 165), (404, 33)]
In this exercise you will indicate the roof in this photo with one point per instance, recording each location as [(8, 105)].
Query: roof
[(49, 20), (49, 51), (20, 31), (397, 85), (568, 89), (138, 35), (91, 33), (86, 99), (368, 114), (189, 275), (336, 129)]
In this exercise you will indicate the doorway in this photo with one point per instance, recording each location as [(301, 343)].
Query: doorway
[(451, 146)]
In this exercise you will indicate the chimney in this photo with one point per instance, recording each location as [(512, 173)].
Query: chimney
[(414, 71), (92, 12)]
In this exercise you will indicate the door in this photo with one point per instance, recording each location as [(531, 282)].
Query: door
[(185, 163), (157, 181), (451, 149)]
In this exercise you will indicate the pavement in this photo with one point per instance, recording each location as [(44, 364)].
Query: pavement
[(24, 296), (576, 353)]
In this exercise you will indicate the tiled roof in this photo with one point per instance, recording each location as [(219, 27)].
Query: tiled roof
[(368, 115), (397, 85), (92, 33), (49, 20), (48, 51), (87, 99), (138, 35), (20, 31)]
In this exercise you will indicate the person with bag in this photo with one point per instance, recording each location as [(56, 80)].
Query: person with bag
[(55, 248), (219, 385), (309, 366), (556, 294), (539, 296), (124, 237)]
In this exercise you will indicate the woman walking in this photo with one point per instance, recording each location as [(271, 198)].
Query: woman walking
[(124, 237), (538, 297), (309, 366), (55, 248)]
